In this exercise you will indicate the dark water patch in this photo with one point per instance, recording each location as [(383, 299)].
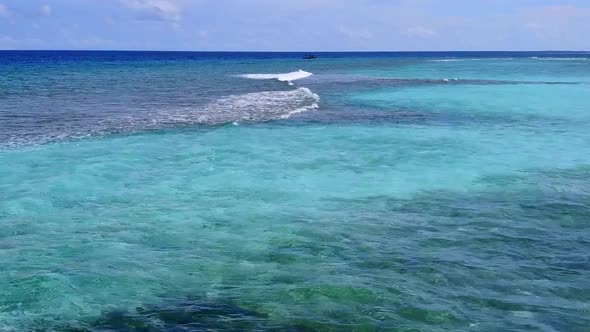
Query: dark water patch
[(200, 316), (434, 317), (540, 195), (363, 117), (183, 315), (343, 294), (515, 253), (556, 210), (358, 83), (379, 115)]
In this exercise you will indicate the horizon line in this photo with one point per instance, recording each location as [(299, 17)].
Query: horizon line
[(291, 51)]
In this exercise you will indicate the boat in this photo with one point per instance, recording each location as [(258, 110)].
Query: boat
[(309, 57)]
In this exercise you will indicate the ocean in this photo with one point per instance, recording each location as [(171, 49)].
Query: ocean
[(188, 191)]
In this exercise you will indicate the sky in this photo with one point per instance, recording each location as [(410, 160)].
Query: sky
[(295, 25)]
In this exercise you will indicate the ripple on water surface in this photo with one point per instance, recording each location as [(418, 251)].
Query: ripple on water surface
[(405, 201)]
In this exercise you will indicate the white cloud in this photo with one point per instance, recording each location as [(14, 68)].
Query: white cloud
[(533, 25), (6, 41), (91, 43), (420, 32), (355, 33), (46, 10), (4, 12), (558, 27), (10, 43), (160, 10)]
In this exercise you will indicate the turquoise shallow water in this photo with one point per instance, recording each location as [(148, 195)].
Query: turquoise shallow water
[(164, 192)]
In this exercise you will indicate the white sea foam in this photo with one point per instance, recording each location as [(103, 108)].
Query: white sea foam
[(447, 60), (286, 77), (249, 107), (260, 106), (558, 59)]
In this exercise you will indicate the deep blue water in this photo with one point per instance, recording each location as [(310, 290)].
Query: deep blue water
[(173, 191), (134, 56)]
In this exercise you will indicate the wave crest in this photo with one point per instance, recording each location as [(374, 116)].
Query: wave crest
[(286, 77)]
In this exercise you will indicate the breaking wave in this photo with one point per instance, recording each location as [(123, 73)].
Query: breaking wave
[(448, 60), (286, 77), (252, 107), (243, 108)]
